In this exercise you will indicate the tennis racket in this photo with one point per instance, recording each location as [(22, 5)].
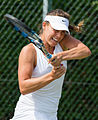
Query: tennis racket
[(28, 33)]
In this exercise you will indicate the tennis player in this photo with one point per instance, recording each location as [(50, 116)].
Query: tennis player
[(40, 80)]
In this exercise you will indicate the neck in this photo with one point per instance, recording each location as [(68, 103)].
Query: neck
[(49, 48)]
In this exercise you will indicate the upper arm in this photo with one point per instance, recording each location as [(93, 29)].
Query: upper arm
[(70, 42), (27, 62)]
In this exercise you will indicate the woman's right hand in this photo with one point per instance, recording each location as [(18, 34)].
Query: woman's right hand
[(58, 71)]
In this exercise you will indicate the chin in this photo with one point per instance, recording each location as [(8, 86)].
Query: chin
[(53, 44)]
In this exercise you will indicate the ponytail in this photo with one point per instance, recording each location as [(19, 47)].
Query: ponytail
[(77, 28)]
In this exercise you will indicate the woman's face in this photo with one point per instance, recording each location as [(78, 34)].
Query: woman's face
[(52, 36)]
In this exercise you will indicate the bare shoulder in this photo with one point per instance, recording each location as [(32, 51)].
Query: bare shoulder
[(28, 49), (28, 53)]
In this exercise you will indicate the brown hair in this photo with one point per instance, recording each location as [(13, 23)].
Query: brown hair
[(59, 12)]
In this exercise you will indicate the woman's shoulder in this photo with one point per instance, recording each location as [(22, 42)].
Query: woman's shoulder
[(28, 50), (28, 54)]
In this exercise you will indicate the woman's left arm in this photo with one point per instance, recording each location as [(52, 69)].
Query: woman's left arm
[(73, 49), (76, 49)]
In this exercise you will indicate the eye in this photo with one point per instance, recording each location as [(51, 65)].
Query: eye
[(63, 32), (55, 30), (66, 32)]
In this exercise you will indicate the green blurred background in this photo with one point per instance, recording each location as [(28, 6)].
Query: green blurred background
[(79, 99)]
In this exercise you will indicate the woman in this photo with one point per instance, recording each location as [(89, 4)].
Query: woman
[(40, 80)]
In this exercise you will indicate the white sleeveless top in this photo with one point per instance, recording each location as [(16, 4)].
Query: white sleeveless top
[(47, 98)]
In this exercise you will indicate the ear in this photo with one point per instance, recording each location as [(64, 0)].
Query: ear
[(43, 25)]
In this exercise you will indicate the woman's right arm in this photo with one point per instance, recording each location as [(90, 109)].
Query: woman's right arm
[(27, 62)]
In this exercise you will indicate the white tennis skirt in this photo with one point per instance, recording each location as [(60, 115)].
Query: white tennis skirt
[(34, 115)]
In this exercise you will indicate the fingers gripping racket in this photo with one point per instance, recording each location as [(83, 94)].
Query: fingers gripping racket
[(28, 33)]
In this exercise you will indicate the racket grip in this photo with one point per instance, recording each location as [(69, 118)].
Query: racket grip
[(49, 56)]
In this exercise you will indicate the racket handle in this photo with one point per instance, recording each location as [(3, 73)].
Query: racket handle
[(49, 56)]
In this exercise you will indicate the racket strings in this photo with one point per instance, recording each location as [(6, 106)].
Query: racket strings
[(28, 33)]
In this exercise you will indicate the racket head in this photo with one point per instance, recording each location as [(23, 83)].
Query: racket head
[(27, 33), (20, 26)]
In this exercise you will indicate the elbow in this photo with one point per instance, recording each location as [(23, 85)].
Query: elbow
[(88, 52), (23, 91)]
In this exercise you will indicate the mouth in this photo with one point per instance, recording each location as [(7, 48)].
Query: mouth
[(55, 40)]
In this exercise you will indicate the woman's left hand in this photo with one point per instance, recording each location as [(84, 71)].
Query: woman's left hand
[(56, 59)]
